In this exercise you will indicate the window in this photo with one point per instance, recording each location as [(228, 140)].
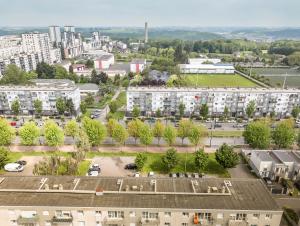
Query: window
[(255, 215), (167, 214), (167, 224), (80, 213), (98, 213), (184, 224), (241, 216), (46, 213), (220, 216), (185, 214), (205, 216), (115, 214), (268, 216), (132, 214), (148, 215)]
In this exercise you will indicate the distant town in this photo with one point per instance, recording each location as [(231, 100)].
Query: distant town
[(148, 130)]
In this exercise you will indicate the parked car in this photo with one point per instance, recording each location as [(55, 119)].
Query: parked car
[(95, 167), (131, 166), (188, 175), (173, 175), (14, 167), (196, 175), (93, 173), (181, 175), (151, 174), (267, 180), (137, 174)]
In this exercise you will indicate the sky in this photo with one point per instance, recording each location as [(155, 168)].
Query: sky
[(133, 13)]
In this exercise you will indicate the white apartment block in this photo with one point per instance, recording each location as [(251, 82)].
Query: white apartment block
[(274, 164), (104, 61), (46, 90), (206, 66), (86, 201), (55, 34), (138, 65), (37, 42), (149, 99)]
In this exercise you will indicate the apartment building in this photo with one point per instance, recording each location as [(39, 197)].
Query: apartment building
[(71, 43), (46, 90), (274, 164), (149, 99), (137, 65), (86, 201), (55, 35)]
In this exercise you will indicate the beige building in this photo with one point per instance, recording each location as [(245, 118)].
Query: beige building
[(87, 201)]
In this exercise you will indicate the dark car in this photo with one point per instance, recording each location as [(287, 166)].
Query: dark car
[(95, 167), (173, 175), (188, 175), (131, 166), (181, 175), (21, 162)]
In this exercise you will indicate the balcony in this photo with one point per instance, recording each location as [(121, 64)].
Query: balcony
[(62, 219), (26, 220), (115, 221), (150, 221), (237, 223)]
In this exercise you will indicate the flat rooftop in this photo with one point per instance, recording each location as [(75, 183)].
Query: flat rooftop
[(172, 193), (191, 89)]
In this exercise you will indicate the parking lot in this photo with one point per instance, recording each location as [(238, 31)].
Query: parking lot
[(28, 169), (113, 166)]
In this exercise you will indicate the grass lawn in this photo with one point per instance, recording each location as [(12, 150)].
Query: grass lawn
[(226, 133), (217, 80)]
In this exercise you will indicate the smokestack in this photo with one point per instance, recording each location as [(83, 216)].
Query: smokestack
[(146, 32)]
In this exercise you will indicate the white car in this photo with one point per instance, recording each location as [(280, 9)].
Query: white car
[(136, 175), (93, 173), (151, 174), (13, 167)]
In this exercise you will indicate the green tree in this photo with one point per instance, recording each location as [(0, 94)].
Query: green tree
[(197, 132), (133, 128), (15, 107), (82, 141), (54, 135), (296, 112), (89, 100), (158, 130), (250, 109), (14, 75), (95, 131), (146, 136), (158, 113), (29, 133), (110, 126), (283, 135), (70, 107), (204, 111), (113, 106), (60, 106), (4, 158), (226, 112), (140, 160), (60, 72), (119, 134), (89, 63), (45, 71), (170, 159), (226, 156), (136, 112), (201, 160), (72, 128), (7, 133), (184, 128), (38, 106), (83, 107), (170, 135), (258, 134), (181, 109)]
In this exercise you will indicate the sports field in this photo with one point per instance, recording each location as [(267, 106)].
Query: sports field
[(217, 80)]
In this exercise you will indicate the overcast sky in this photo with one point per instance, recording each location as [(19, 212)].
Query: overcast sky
[(202, 13)]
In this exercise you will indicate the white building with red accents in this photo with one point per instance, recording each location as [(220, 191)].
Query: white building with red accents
[(137, 65), (104, 61)]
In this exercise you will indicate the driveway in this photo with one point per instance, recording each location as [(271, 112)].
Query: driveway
[(28, 169), (241, 171), (114, 166)]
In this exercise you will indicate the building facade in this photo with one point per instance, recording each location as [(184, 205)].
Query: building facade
[(45, 90), (149, 99), (55, 35), (85, 201), (137, 65), (274, 164)]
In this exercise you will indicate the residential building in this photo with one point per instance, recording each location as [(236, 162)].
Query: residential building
[(149, 99), (55, 35), (137, 65), (274, 164), (72, 44), (206, 66), (46, 90), (77, 201), (88, 88), (37, 43), (69, 28), (81, 69), (104, 61)]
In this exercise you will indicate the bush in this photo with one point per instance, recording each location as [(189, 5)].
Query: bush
[(226, 156)]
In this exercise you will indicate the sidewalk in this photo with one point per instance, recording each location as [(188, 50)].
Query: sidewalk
[(132, 149)]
